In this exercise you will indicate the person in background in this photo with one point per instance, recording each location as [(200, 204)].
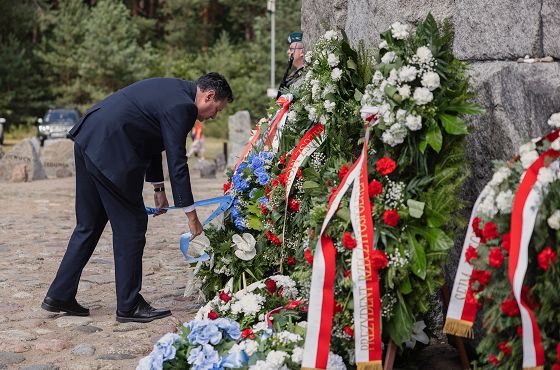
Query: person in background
[(296, 59), (197, 147)]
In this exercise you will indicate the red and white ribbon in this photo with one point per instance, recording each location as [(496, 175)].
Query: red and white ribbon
[(274, 134), (248, 147), (523, 216), (461, 313)]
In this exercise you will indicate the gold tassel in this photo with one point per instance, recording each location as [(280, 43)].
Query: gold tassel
[(534, 368), (370, 365), (460, 328)]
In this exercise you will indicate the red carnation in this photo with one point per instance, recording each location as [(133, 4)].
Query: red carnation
[(343, 171), (248, 333), (348, 330), (337, 307), (493, 359), (502, 346), (476, 227), (271, 286), (294, 205), (471, 253), (482, 276), (545, 257), (291, 261), (375, 188), (556, 366), (274, 183), (348, 241), (490, 231), (509, 307), (273, 238), (283, 178), (299, 175), (227, 186), (213, 315), (379, 259), (308, 256), (225, 297), (347, 273), (385, 166), (283, 159), (520, 330), (495, 258), (391, 217), (263, 209), (558, 352), (471, 299), (505, 241)]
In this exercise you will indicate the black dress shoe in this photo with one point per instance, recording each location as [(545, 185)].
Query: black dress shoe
[(72, 307), (143, 312)]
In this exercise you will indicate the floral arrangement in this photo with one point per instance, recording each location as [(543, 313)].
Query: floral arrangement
[(415, 170), (490, 286)]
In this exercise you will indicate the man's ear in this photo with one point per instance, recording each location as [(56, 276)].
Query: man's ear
[(211, 95)]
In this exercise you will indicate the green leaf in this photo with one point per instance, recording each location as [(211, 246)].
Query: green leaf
[(423, 145), (310, 185), (351, 64), (415, 208), (255, 223), (390, 90), (401, 323), (358, 95), (344, 214), (418, 262), (310, 173), (453, 125), (437, 238), (434, 138), (406, 286), (434, 218), (465, 108)]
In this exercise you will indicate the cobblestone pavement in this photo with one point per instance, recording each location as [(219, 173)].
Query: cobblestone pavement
[(36, 221)]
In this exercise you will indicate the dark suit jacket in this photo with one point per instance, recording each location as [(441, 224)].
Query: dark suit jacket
[(124, 135)]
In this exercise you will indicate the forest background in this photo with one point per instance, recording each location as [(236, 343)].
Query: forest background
[(76, 52)]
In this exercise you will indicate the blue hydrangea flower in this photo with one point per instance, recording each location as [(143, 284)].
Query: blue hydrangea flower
[(255, 163), (204, 332), (163, 351), (239, 183), (263, 179), (252, 193), (204, 357), (241, 167), (263, 200), (267, 156), (234, 212), (235, 360), (260, 171), (239, 223), (229, 326)]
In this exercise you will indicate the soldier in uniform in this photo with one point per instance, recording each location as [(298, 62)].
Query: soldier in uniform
[(296, 60)]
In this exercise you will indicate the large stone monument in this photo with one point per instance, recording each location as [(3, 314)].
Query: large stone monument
[(239, 129), (491, 35), (57, 157), (21, 164)]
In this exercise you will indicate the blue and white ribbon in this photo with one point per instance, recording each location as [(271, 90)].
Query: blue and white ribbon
[(224, 203)]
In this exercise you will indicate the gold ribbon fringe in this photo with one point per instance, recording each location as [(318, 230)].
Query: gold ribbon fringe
[(459, 328)]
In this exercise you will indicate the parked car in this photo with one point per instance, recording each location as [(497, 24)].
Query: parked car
[(56, 123), (2, 122)]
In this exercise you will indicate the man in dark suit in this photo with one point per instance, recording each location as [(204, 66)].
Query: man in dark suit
[(118, 144)]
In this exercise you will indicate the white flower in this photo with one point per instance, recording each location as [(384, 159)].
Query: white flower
[(245, 246), (430, 80), (554, 120), (330, 88), (393, 77), (368, 110), (329, 105), (308, 57), (556, 144), (499, 176), (400, 31), (422, 96), (424, 54), (336, 74), (198, 245), (377, 77), (527, 158), (554, 220), (248, 303), (404, 91), (504, 201), (331, 35), (308, 76), (333, 60), (249, 346), (487, 206), (418, 335), (335, 362), (292, 115), (407, 73), (388, 57), (312, 113), (383, 45), (276, 358), (287, 337), (297, 355), (414, 123), (401, 113), (394, 135), (525, 148), (545, 176)]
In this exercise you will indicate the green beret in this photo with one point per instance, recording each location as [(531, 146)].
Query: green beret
[(295, 37)]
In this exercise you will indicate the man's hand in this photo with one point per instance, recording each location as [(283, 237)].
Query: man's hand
[(160, 200), (194, 224)]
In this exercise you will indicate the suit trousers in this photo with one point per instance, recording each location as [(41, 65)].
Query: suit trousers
[(99, 201)]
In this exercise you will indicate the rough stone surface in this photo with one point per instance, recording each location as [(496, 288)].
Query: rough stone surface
[(318, 16), (115, 357), (551, 31), (7, 358), (489, 30), (220, 161), (207, 169), (57, 157), (83, 349), (22, 153), (41, 367), (239, 128), (69, 321), (62, 172), (51, 345), (19, 173)]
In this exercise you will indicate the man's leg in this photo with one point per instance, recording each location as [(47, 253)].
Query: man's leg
[(90, 222)]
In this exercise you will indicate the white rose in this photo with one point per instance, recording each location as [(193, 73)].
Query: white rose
[(422, 96), (504, 201), (414, 123), (407, 73), (329, 105), (554, 220), (383, 45), (333, 60), (336, 74), (404, 91), (545, 176), (424, 54), (389, 57), (554, 120), (528, 158), (430, 80), (400, 31)]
